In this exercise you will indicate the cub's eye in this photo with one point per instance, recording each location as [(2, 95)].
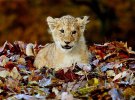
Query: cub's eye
[(62, 31), (74, 32), (81, 26)]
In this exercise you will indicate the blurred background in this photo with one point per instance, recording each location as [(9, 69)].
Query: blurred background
[(25, 20)]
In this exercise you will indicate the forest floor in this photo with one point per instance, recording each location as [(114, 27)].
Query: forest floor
[(112, 76)]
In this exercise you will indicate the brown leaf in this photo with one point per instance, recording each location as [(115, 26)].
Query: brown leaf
[(51, 96), (5, 47), (9, 66), (15, 49), (29, 62)]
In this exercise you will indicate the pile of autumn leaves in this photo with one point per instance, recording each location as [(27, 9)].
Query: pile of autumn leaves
[(112, 75)]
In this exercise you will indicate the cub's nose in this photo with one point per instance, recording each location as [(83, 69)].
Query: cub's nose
[(67, 42)]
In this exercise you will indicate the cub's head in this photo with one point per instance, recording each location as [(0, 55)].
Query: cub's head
[(67, 31)]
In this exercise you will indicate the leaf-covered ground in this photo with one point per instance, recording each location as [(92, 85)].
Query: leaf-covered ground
[(112, 76)]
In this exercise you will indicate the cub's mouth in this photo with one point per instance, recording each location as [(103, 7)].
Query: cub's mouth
[(66, 47)]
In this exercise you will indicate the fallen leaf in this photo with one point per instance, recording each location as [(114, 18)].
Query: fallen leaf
[(4, 73), (1, 90), (115, 94), (25, 97), (117, 76), (9, 65), (15, 74), (66, 96), (110, 73), (68, 76), (44, 82), (3, 60), (21, 60), (12, 83)]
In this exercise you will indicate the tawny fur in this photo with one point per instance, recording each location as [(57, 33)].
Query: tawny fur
[(53, 55)]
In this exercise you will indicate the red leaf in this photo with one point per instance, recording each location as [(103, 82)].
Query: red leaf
[(99, 52), (15, 49), (68, 76), (10, 65), (122, 55)]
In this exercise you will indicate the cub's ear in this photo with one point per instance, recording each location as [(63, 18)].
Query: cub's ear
[(51, 22), (83, 20)]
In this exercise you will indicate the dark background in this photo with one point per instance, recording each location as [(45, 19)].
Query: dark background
[(25, 20)]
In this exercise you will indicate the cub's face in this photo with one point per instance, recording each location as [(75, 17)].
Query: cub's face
[(67, 31)]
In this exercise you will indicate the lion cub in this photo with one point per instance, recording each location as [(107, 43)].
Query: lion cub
[(69, 46)]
